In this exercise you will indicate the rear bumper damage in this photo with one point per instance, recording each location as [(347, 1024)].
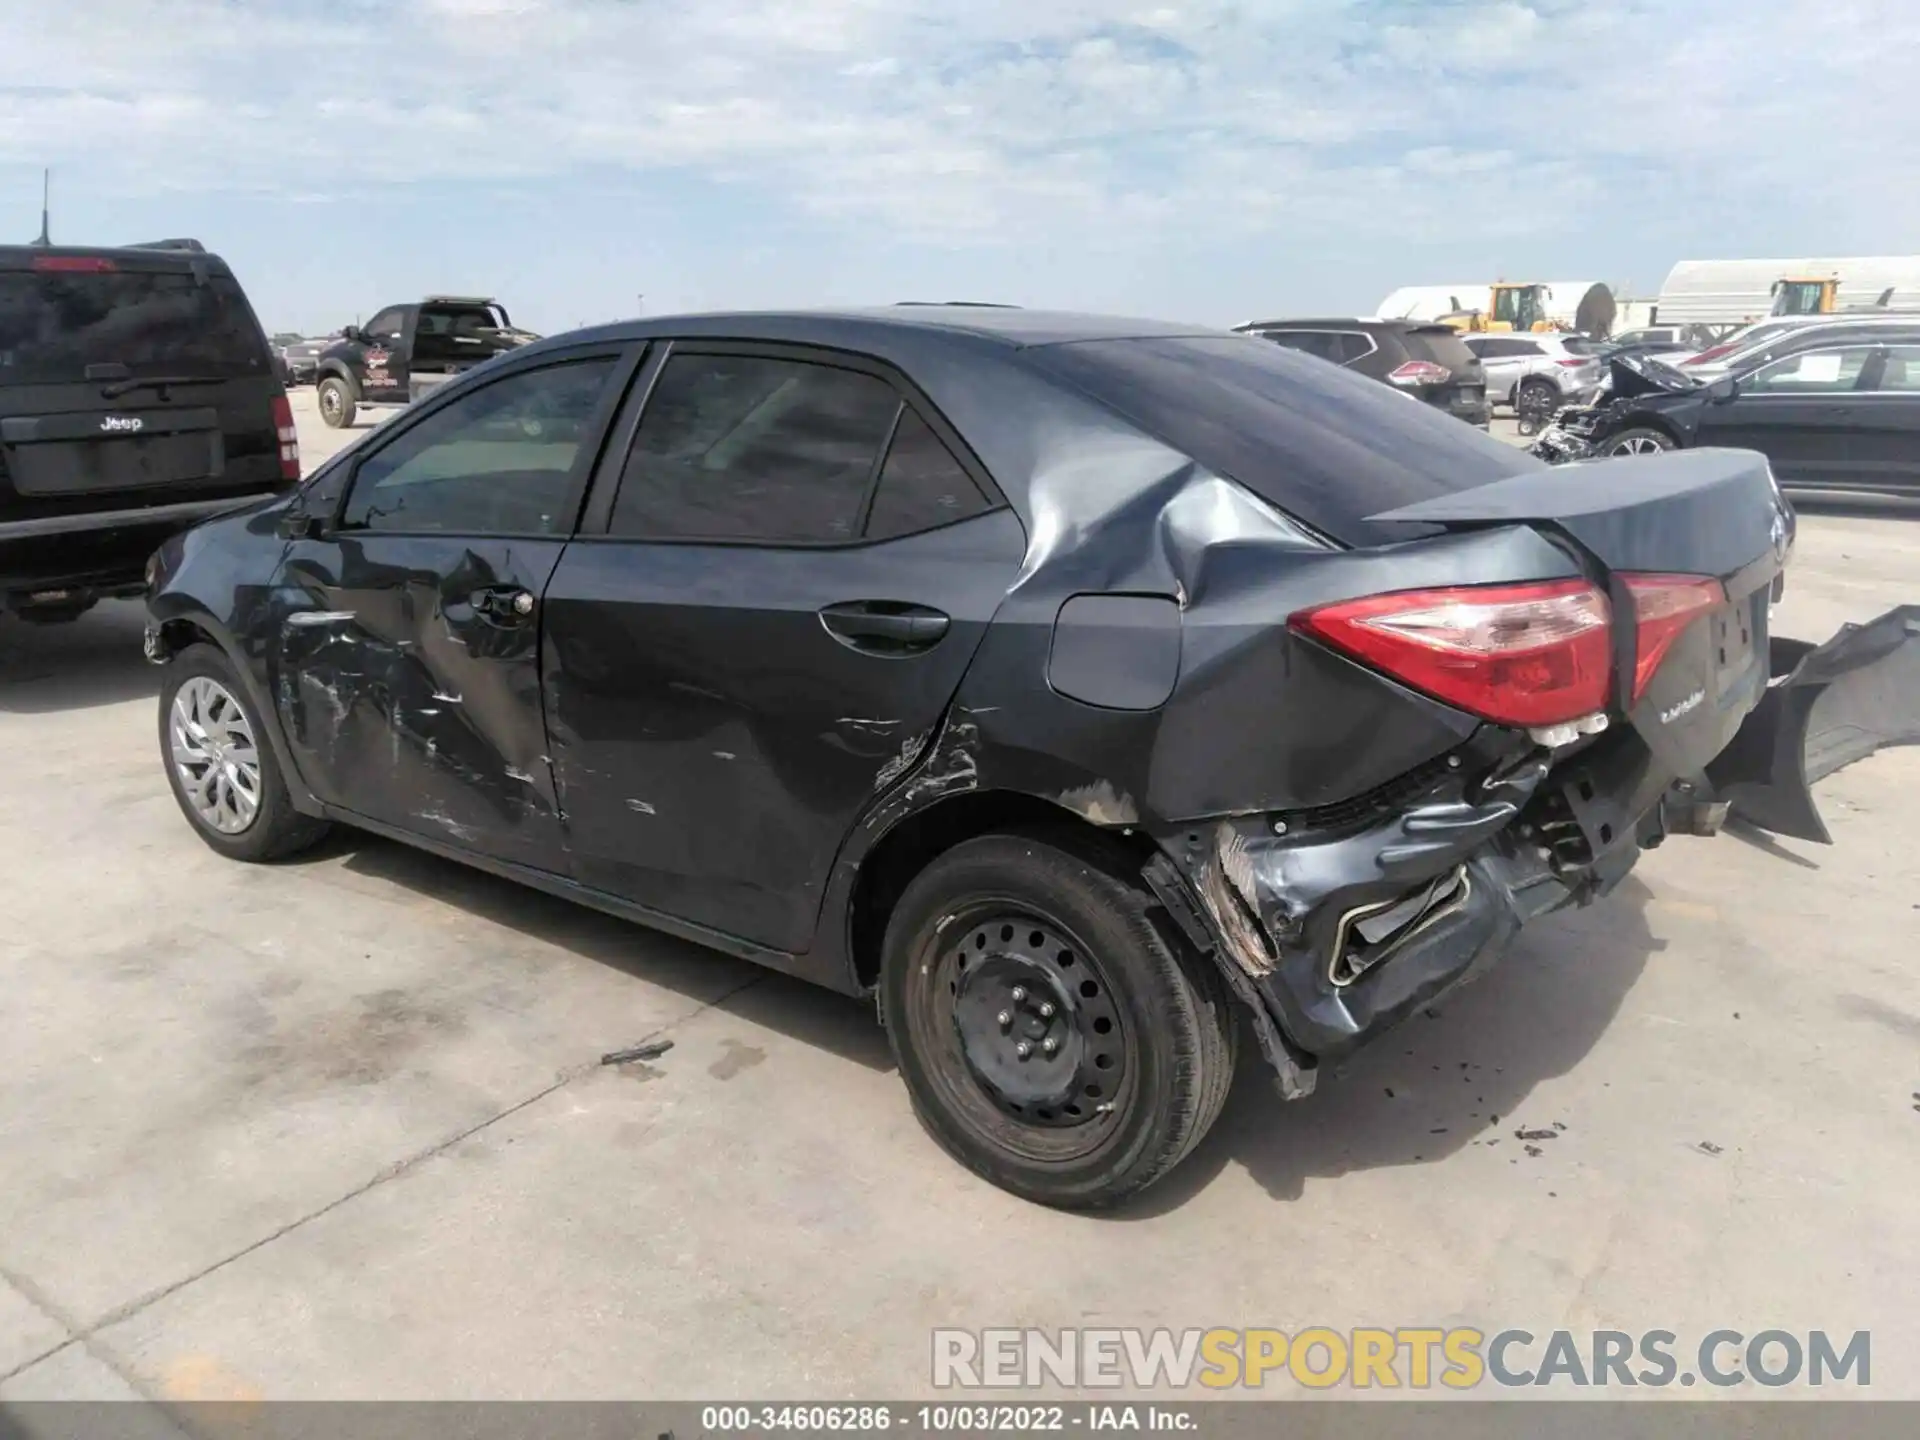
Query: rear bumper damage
[(1335, 925)]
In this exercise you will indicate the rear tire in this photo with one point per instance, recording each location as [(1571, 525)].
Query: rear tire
[(337, 405), (221, 765), (1132, 1038), (1640, 440)]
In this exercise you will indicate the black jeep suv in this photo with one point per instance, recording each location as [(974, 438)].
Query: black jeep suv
[(138, 396)]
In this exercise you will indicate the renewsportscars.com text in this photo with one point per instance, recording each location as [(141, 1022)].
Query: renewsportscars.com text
[(1422, 1358)]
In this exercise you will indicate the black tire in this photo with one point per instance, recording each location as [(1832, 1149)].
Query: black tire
[(1169, 1044), (1639, 440), (336, 401), (276, 829)]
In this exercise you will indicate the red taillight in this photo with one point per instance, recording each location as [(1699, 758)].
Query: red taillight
[(1663, 606), (84, 264), (289, 438), (1420, 372), (1712, 352), (1574, 363), (1522, 655)]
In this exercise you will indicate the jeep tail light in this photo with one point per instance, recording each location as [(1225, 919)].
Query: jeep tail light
[(1663, 606), (1527, 655), (289, 437), (1420, 372)]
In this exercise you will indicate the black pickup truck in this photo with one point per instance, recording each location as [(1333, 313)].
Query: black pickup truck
[(408, 349)]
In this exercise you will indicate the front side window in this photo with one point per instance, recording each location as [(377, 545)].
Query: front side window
[(1811, 372), (751, 448), (497, 461)]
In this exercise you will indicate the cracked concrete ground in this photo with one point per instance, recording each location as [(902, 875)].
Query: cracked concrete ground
[(336, 1129)]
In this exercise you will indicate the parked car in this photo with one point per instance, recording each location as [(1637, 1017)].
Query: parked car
[(1691, 338), (1767, 339), (303, 358), (1423, 359), (138, 395), (1537, 372), (1839, 416), (1068, 684), (407, 350)]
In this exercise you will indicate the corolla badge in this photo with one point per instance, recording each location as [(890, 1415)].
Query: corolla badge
[(1674, 712), (121, 424)]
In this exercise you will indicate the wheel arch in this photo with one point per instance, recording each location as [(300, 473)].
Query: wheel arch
[(918, 838), (179, 621)]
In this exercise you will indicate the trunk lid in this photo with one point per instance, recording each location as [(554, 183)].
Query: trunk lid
[(1712, 513)]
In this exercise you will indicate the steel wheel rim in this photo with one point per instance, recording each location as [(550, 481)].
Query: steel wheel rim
[(1094, 1072), (215, 756), (329, 400)]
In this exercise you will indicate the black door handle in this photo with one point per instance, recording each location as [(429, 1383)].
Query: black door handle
[(884, 627)]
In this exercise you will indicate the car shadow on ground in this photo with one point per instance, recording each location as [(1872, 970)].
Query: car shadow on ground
[(1461, 1073), (808, 1014), (94, 660)]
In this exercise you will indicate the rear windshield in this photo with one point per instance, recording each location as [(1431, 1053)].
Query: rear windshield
[(1324, 444), (55, 323), (1439, 343)]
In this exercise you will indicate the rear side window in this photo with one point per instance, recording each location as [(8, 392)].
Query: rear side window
[(1352, 345), (922, 485), (750, 448), (1329, 446), (55, 323), (1310, 342)]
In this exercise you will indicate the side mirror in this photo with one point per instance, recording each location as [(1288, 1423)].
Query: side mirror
[(352, 332), (1723, 390)]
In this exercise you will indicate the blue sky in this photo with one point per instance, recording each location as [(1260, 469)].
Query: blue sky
[(1203, 160)]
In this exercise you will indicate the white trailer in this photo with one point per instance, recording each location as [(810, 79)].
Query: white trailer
[(1733, 292)]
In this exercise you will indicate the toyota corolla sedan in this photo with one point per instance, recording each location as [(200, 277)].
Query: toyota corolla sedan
[(1078, 689)]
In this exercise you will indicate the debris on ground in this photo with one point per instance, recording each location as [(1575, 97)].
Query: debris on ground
[(1535, 1150), (1536, 1134), (651, 1050), (1707, 1147)]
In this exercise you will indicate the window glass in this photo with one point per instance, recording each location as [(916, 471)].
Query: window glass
[(921, 485), (740, 447), (1811, 372), (1328, 445), (55, 323), (388, 324), (1353, 345), (1902, 369), (1313, 342), (497, 461)]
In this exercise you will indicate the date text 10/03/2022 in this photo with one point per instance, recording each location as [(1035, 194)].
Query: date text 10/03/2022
[(966, 1419)]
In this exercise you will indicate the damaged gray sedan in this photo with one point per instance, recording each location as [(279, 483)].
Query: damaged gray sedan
[(1072, 687)]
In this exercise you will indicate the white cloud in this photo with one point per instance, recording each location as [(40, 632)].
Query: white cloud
[(991, 122)]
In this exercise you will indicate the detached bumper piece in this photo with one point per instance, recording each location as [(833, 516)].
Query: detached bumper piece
[(1825, 707)]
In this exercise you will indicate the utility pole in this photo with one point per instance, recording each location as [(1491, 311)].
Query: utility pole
[(46, 187)]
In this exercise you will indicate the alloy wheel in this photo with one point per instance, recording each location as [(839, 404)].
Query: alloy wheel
[(215, 755), (1639, 445)]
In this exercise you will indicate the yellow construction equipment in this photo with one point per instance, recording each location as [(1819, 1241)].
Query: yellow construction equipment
[(1805, 295), (1510, 306)]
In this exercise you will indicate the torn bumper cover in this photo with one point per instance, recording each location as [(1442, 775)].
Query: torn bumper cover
[(1336, 926), (1825, 707)]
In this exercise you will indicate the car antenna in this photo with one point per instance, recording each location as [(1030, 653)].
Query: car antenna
[(46, 186)]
